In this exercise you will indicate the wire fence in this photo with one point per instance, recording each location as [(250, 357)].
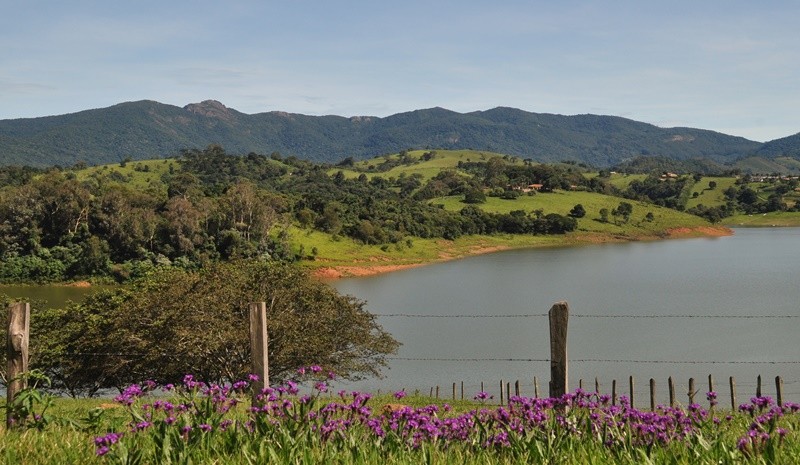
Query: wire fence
[(610, 316)]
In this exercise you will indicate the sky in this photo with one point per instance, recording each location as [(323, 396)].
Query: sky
[(728, 66)]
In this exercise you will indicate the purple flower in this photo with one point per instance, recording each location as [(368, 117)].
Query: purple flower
[(399, 394)]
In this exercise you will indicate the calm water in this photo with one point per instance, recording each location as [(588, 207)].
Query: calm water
[(751, 273)]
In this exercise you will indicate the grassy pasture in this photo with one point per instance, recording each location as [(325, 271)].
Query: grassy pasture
[(561, 202), (444, 159), (142, 174), (710, 197)]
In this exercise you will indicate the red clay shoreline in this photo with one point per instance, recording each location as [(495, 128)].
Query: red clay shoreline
[(345, 271)]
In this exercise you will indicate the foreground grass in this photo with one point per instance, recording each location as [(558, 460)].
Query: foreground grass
[(208, 424)]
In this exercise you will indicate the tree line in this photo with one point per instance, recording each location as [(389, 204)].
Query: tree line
[(215, 206)]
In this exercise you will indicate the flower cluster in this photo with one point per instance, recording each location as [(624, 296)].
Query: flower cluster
[(197, 409), (763, 432)]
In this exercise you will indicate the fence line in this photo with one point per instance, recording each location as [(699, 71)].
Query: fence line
[(583, 315), (597, 360), (558, 384)]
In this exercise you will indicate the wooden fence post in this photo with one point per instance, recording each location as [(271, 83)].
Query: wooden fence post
[(630, 380), (671, 392), (758, 386), (559, 318), (535, 388), (652, 395), (779, 390), (613, 392), (710, 389), (259, 347), (691, 391), (732, 382), (19, 317)]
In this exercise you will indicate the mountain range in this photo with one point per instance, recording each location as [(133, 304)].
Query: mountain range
[(148, 129)]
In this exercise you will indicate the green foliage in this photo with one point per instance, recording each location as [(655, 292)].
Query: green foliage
[(216, 206), (146, 128), (172, 322)]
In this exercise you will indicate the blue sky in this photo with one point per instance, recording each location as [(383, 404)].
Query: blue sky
[(729, 66)]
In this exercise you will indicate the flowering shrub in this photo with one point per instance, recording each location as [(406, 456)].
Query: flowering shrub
[(196, 415)]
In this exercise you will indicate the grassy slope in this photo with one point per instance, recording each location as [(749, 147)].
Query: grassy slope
[(444, 159), (354, 258), (349, 257), (136, 178), (715, 197)]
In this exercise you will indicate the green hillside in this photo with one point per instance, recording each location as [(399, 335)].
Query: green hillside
[(119, 220), (148, 129)]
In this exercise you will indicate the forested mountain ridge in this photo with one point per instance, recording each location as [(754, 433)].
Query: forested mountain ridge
[(148, 129)]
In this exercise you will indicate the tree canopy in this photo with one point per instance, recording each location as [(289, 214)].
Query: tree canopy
[(174, 322)]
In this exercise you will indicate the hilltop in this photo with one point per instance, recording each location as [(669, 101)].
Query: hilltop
[(148, 129)]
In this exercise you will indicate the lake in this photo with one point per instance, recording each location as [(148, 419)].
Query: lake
[(750, 274)]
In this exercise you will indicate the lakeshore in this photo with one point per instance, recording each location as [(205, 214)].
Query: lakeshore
[(480, 245)]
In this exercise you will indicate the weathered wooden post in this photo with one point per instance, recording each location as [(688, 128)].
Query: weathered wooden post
[(671, 392), (692, 391), (613, 392), (732, 383), (633, 393), (711, 389), (535, 388), (779, 390), (652, 395), (559, 318), (259, 347), (19, 317), (758, 386)]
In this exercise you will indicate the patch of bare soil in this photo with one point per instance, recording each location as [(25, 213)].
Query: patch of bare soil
[(347, 271), (710, 231)]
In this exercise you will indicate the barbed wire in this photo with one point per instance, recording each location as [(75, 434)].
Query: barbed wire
[(423, 315), (598, 360), (747, 317), (582, 315), (486, 359)]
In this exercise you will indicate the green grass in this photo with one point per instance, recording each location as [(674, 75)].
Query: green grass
[(562, 202), (765, 219), (293, 442), (710, 197), (444, 159), (133, 173), (351, 257)]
